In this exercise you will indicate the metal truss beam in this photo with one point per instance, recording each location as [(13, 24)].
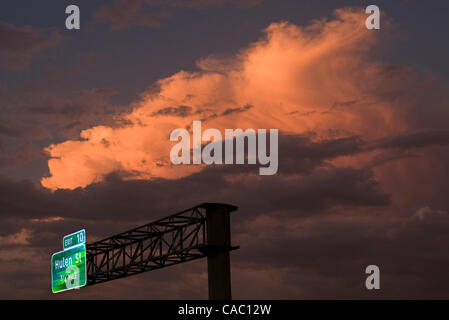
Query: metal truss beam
[(178, 238)]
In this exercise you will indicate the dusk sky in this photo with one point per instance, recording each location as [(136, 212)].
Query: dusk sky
[(363, 177)]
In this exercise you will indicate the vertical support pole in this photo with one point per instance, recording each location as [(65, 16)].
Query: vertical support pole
[(218, 246)]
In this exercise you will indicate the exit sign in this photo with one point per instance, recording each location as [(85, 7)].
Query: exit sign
[(74, 239), (68, 269)]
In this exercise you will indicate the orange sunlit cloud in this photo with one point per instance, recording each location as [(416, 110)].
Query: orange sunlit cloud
[(296, 79)]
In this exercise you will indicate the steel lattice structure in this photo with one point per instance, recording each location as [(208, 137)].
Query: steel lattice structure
[(168, 241)]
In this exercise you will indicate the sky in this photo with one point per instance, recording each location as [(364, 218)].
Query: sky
[(86, 117)]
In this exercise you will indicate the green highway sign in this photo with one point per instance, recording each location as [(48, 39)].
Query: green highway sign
[(74, 239), (68, 269)]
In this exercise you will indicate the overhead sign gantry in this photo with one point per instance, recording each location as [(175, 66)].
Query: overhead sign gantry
[(198, 232)]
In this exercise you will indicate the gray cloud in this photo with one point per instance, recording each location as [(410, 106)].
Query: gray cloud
[(236, 110), (328, 257), (20, 44), (180, 111), (123, 14), (416, 139)]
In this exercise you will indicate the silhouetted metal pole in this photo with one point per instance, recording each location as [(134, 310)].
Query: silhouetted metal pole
[(217, 250)]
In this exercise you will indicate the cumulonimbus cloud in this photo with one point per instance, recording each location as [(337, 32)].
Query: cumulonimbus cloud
[(318, 78)]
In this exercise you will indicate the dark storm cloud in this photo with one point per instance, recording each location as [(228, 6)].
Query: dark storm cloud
[(137, 199), (18, 45), (304, 188), (325, 256), (304, 177), (408, 250), (300, 153), (417, 139), (114, 205)]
